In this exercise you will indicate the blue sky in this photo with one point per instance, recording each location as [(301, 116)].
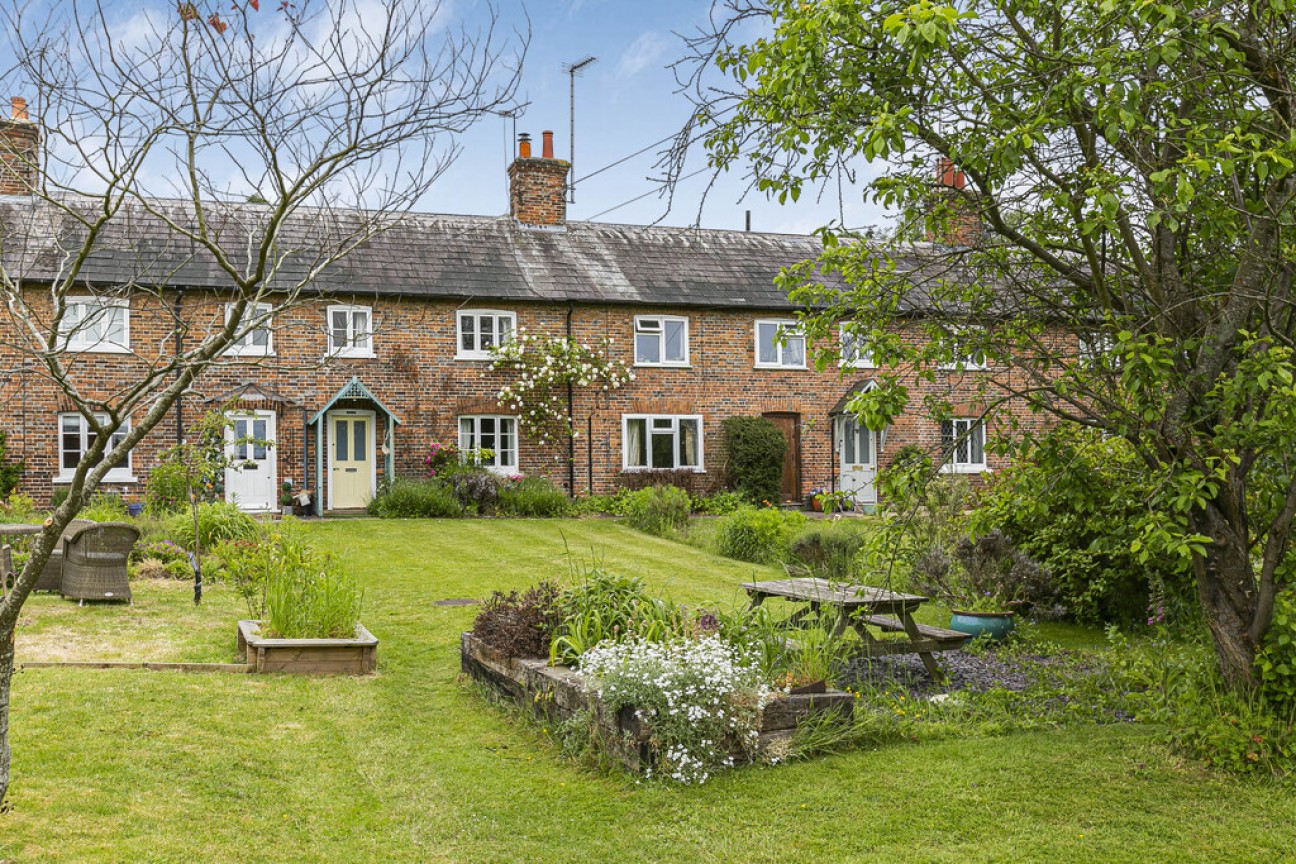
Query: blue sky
[(624, 102)]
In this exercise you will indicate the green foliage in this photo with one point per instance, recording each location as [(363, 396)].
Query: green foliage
[(1078, 504), (296, 591), (193, 470), (829, 551), (167, 488), (477, 489), (1276, 662), (105, 507), (662, 511), (761, 536), (605, 606), (520, 625), (610, 505), (214, 522), (10, 472), (18, 508), (408, 498), (533, 496), (755, 448), (718, 503)]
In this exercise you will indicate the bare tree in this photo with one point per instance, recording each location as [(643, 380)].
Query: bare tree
[(250, 150)]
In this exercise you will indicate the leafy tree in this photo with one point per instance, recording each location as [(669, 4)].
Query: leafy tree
[(1122, 245), (10, 472), (338, 115)]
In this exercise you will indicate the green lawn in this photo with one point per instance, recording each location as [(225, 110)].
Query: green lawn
[(412, 764)]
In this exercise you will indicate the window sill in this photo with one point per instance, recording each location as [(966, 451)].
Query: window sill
[(965, 469), (350, 355), (944, 368), (645, 470), (473, 358), (98, 349), (236, 353), (109, 480), (800, 368), (663, 365)]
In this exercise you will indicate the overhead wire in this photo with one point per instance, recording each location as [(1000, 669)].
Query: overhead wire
[(644, 195)]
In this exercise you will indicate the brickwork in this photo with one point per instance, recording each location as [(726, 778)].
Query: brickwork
[(415, 374), (538, 191), (19, 152)]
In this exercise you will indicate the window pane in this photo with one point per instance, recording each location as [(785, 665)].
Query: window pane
[(360, 328), (360, 450), (259, 445), (636, 443), (849, 439), (508, 443), (688, 443), (486, 433), (341, 440), (794, 351), (675, 341), (338, 329), (663, 450), (765, 342), (487, 327), (647, 348), (71, 444), (465, 433), (865, 446), (976, 444), (467, 328), (504, 323)]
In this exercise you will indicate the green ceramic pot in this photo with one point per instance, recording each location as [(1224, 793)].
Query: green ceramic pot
[(995, 624)]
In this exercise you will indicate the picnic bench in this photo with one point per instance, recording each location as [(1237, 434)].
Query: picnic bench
[(863, 607)]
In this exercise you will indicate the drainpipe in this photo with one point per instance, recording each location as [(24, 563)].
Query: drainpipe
[(179, 349), (832, 447), (571, 417), (306, 453)]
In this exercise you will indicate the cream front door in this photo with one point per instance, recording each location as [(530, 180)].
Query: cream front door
[(250, 476), (858, 461), (351, 465)]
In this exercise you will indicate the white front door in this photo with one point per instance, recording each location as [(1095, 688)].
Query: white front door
[(251, 478), (351, 459), (857, 446)]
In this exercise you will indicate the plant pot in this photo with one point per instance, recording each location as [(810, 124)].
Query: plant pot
[(816, 505), (997, 625), (286, 509)]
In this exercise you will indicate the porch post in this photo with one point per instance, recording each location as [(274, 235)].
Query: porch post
[(389, 461), (319, 465)]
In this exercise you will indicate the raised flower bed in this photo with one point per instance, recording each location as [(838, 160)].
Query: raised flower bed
[(355, 656), (557, 693)]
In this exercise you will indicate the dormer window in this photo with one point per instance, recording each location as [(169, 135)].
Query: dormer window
[(661, 340)]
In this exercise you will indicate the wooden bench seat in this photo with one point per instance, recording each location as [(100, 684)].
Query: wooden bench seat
[(948, 639)]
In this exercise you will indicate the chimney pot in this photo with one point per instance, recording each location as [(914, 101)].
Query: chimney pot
[(948, 175), (547, 147), (524, 146), (19, 108)]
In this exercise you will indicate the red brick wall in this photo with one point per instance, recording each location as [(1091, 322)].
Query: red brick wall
[(414, 374)]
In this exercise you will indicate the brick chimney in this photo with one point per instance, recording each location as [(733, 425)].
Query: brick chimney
[(19, 152), (538, 187), (960, 223)]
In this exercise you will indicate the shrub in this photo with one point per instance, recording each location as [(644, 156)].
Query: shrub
[(405, 498), (684, 478), (659, 510), (441, 459), (296, 591), (10, 472), (701, 698), (761, 536), (18, 508), (167, 488), (477, 490), (829, 551), (215, 522), (520, 626), (1276, 662), (755, 464), (159, 550), (104, 507), (612, 505), (718, 504), (533, 496)]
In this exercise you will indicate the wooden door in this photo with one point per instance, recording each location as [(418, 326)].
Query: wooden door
[(351, 458), (790, 425)]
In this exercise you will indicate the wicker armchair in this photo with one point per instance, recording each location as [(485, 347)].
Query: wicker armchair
[(94, 561), (51, 578)]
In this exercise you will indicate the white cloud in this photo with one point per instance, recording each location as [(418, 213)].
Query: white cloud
[(643, 52)]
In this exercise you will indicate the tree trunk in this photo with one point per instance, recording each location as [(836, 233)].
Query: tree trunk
[(6, 675), (1226, 588)]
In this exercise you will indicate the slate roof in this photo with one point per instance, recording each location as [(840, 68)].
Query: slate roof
[(423, 255)]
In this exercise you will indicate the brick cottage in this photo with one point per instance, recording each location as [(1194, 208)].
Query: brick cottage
[(392, 352)]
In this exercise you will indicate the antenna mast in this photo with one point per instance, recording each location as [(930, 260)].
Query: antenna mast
[(572, 70)]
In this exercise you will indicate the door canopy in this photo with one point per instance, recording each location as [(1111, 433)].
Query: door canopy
[(353, 391)]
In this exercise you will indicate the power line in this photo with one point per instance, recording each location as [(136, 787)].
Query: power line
[(644, 195), (644, 150)]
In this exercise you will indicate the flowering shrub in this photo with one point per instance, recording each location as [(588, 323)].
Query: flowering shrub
[(440, 458), (545, 366), (700, 697)]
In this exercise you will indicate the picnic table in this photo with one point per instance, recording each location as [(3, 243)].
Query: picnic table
[(862, 607)]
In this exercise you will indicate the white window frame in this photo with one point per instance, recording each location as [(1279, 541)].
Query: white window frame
[(121, 474), (244, 347), (475, 435), (855, 353), (75, 339), (963, 362), (788, 330), (642, 328), (962, 426), (477, 352), (359, 344), (675, 419), (1093, 347)]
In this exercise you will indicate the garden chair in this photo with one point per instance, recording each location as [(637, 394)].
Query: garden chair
[(94, 561), (51, 578)]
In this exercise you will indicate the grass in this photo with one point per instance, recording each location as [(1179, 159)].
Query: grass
[(413, 765)]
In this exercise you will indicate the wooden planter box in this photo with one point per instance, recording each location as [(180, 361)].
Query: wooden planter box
[(555, 693), (358, 656)]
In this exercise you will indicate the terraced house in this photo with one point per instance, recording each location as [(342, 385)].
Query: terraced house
[(392, 350)]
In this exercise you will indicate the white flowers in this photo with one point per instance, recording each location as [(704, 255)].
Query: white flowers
[(701, 697)]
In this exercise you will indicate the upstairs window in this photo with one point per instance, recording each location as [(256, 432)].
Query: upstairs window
[(76, 437), (350, 331), (482, 330), (963, 442), (258, 342), (964, 355), (780, 345), (854, 350), (661, 340), (96, 324), (661, 442)]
